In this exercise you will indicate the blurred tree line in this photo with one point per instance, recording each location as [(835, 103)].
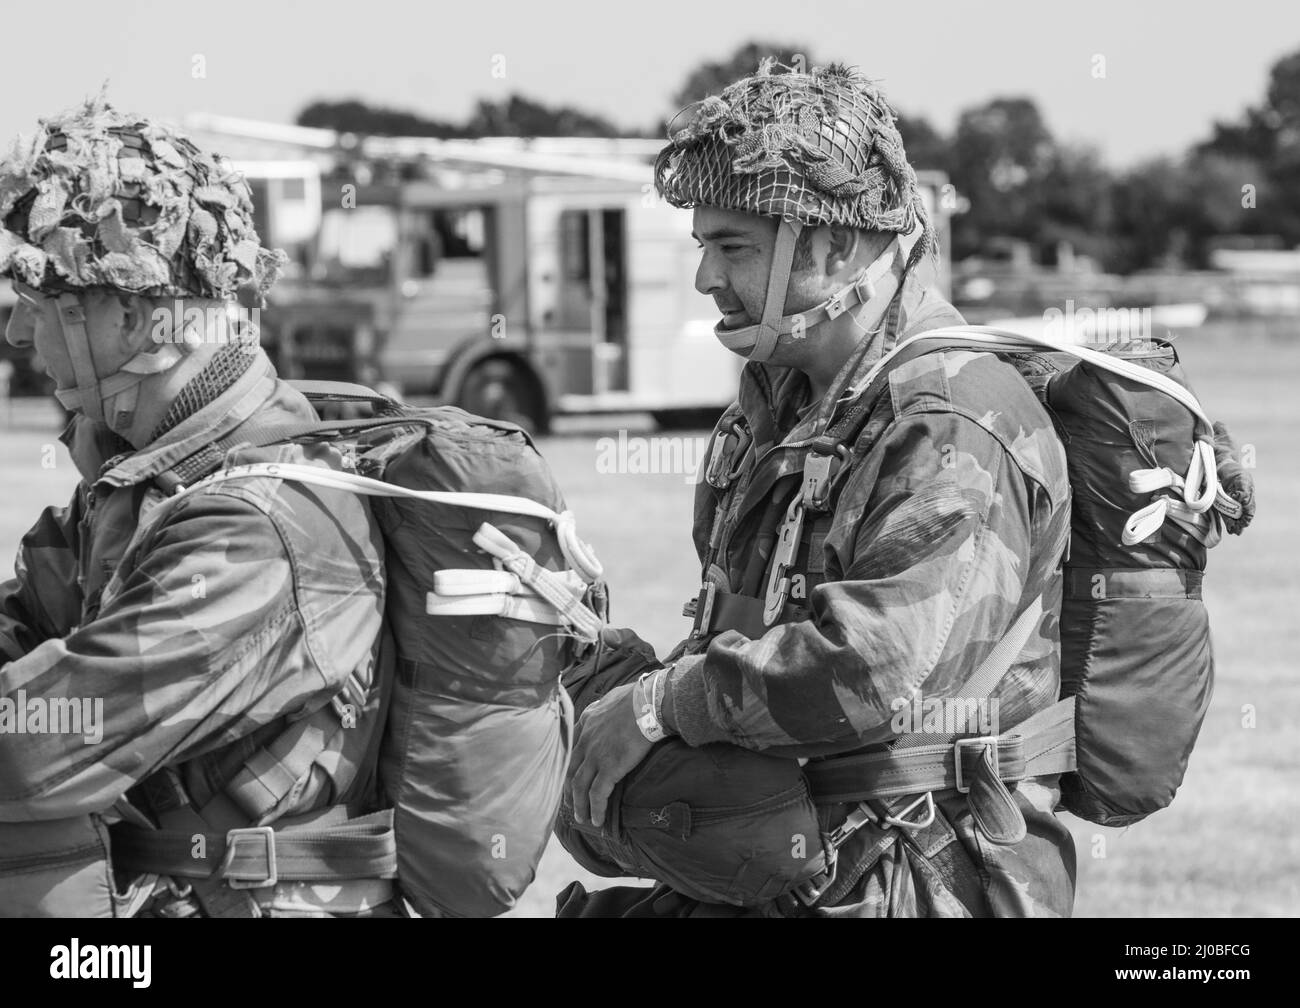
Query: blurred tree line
[(1014, 179)]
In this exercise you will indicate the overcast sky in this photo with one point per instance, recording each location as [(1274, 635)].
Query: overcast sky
[(1169, 70)]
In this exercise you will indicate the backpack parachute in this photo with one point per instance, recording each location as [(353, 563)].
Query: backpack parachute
[(1135, 634), (489, 596), (1147, 505)]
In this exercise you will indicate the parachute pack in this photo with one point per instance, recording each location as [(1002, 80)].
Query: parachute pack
[(490, 595), (1148, 502), (1145, 466)]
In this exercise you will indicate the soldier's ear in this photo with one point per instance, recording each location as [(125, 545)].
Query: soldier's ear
[(842, 249), (137, 321)]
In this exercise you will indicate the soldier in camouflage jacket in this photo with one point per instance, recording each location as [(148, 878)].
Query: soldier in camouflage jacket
[(203, 631), (952, 520)]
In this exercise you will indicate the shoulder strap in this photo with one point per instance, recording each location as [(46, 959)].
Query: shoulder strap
[(334, 391), (981, 685)]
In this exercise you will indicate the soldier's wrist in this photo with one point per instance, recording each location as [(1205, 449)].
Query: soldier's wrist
[(659, 698), (643, 707)]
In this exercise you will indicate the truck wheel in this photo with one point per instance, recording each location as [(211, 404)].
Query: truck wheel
[(503, 391)]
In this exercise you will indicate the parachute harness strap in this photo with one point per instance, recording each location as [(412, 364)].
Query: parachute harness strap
[(1199, 489), (555, 589)]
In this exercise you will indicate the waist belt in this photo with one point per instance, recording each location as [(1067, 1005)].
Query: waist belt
[(979, 767), (258, 856), (715, 611), (1040, 745), (1118, 582)]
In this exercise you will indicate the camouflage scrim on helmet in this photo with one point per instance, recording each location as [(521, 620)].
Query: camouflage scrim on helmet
[(818, 148), (100, 199)]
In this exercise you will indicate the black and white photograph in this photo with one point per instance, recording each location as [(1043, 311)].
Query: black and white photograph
[(745, 459)]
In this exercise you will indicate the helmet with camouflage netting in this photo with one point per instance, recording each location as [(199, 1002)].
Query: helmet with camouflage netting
[(97, 199), (811, 149), (100, 202)]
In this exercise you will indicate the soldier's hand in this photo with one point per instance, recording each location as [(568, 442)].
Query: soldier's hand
[(608, 747)]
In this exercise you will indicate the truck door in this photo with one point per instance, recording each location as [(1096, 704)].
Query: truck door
[(589, 317)]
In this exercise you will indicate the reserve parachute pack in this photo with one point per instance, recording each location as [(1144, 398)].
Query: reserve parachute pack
[(1144, 464), (490, 595)]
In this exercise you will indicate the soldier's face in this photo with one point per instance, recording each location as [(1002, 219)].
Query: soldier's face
[(735, 257), (35, 323)]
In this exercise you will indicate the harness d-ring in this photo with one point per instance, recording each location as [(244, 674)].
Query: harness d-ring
[(901, 820)]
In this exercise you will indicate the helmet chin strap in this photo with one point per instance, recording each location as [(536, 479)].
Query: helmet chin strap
[(759, 342), (117, 392)]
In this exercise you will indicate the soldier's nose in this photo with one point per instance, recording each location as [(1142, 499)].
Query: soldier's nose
[(707, 279), (21, 330)]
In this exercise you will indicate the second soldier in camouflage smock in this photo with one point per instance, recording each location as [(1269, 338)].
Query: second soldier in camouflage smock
[(948, 521)]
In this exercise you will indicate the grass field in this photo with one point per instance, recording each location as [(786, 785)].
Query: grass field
[(1228, 846)]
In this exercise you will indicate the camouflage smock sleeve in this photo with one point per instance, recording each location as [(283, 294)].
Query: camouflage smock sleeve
[(42, 600), (935, 526), (192, 653)]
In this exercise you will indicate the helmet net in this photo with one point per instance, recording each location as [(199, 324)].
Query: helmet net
[(100, 199), (818, 148)]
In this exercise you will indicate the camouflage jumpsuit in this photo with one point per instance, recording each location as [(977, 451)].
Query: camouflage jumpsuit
[(953, 519), (206, 635)]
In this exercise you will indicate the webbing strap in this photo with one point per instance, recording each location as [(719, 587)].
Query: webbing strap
[(337, 391), (1099, 583), (986, 339), (255, 857), (271, 773), (778, 282), (516, 607), (986, 678), (178, 817), (72, 317), (758, 342), (1041, 745)]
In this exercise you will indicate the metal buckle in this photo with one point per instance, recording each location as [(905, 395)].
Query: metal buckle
[(718, 474), (980, 740), (817, 478), (835, 307), (267, 836), (704, 608), (810, 890), (901, 820), (787, 546), (743, 440), (853, 822)]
